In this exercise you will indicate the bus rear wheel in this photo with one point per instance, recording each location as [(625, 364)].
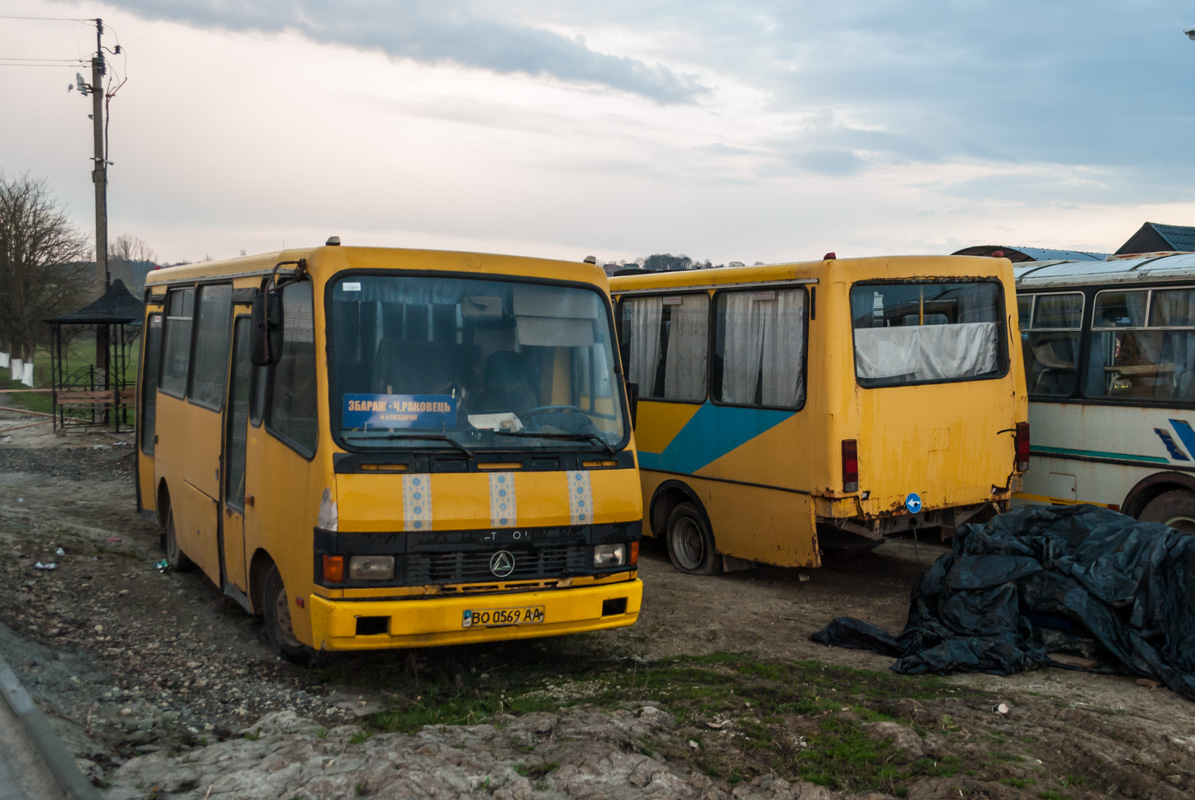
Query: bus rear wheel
[(690, 542), (1175, 508), (280, 629), (176, 559)]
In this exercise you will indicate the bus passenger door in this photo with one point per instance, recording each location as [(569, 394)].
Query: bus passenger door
[(151, 349), (235, 445)]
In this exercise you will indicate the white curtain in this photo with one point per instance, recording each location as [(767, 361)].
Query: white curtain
[(688, 346), (744, 348), (926, 352), (765, 331), (646, 313), (783, 348)]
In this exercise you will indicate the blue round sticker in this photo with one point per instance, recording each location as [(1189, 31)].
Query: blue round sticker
[(913, 503)]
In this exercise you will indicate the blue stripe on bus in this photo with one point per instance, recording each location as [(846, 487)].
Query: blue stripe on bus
[(1183, 429), (711, 433)]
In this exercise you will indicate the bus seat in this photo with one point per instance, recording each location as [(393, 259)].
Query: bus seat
[(506, 386)]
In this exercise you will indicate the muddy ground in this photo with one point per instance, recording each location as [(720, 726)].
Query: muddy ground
[(134, 664)]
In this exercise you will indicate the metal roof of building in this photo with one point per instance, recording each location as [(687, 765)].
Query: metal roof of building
[(1180, 237), (1017, 254)]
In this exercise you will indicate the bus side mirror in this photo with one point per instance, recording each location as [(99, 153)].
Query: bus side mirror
[(265, 338), (633, 401)]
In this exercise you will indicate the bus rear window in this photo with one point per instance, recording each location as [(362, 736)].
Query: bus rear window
[(927, 332)]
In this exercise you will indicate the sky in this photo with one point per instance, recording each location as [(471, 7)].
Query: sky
[(754, 131)]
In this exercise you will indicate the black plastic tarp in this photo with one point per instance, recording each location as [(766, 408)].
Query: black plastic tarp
[(1048, 579)]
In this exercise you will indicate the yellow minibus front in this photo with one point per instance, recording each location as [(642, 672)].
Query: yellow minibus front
[(393, 448)]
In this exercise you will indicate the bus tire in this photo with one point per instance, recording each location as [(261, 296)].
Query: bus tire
[(276, 612), (690, 542), (1175, 508), (176, 559)]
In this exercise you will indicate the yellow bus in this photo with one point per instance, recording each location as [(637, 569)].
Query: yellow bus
[(380, 448), (793, 408)]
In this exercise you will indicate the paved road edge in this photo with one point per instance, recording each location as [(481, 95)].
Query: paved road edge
[(58, 759)]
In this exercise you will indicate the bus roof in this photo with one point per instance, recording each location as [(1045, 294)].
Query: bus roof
[(1143, 269), (336, 258), (894, 266)]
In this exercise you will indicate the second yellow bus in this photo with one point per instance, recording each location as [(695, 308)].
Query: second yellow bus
[(793, 408)]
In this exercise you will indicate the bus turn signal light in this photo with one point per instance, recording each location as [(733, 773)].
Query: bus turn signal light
[(634, 554), (334, 569), (1022, 445), (850, 465)]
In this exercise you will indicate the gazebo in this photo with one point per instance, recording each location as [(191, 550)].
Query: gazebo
[(103, 393)]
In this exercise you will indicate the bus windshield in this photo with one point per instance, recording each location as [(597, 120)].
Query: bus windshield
[(441, 362), (922, 332)]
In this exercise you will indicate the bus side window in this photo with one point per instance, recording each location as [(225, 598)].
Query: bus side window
[(176, 341), (149, 385), (291, 415), (209, 363), (761, 345), (666, 343)]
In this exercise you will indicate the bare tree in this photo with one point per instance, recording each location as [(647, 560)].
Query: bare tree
[(44, 263), (129, 248), (130, 260)]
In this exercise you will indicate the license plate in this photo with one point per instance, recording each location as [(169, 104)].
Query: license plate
[(491, 617)]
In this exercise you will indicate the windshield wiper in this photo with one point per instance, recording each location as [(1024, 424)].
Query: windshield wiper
[(592, 437), (437, 437)]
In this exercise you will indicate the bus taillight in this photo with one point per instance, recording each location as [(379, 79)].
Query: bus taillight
[(1022, 444), (850, 466)]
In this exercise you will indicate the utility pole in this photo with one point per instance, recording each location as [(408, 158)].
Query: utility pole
[(100, 174)]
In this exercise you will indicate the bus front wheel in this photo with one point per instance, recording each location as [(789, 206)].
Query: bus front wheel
[(276, 611), (176, 559), (690, 543), (1175, 508)]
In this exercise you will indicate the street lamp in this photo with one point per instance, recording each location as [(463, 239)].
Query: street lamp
[(1190, 33)]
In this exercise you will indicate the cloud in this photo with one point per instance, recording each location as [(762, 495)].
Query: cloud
[(438, 32)]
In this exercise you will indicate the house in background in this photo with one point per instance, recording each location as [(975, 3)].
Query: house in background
[(1153, 237)]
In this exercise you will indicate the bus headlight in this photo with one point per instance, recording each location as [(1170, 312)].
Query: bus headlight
[(371, 568), (609, 555)]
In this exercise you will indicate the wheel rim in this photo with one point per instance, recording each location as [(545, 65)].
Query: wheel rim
[(1182, 522), (286, 633), (688, 545)]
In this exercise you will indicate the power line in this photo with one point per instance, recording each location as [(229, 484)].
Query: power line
[(56, 60), (50, 19)]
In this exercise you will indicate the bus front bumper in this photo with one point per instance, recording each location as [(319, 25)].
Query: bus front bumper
[(429, 622)]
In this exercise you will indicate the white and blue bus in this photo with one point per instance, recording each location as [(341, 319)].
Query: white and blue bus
[(1109, 353)]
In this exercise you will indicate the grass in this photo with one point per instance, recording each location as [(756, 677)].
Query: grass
[(80, 353), (761, 703)]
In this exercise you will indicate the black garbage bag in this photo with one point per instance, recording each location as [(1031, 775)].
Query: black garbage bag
[(1048, 579)]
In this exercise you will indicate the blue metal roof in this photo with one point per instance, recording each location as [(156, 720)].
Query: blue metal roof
[(1042, 254)]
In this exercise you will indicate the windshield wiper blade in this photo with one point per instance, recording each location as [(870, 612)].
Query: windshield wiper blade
[(436, 437), (592, 437)]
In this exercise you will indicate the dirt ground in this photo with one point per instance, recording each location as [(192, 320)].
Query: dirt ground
[(130, 660)]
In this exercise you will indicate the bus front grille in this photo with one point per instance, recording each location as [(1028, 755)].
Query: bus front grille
[(472, 566)]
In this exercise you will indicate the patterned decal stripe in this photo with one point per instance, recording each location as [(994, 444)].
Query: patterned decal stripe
[(504, 509), (417, 502), (710, 434), (1172, 447), (580, 497), (1185, 434)]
